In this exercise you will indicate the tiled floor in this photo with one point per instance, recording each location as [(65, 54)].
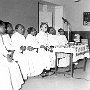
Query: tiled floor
[(60, 82)]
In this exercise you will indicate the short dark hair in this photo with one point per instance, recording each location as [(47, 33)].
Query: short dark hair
[(59, 30), (2, 24), (8, 24), (48, 30), (30, 29), (20, 25), (17, 26)]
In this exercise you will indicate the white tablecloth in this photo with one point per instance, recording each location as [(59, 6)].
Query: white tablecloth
[(78, 51)]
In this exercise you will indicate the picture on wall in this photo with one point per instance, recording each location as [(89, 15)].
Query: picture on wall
[(86, 18)]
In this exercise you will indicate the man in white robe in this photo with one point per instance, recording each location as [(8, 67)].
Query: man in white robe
[(57, 41), (16, 76), (13, 66), (18, 43), (8, 64), (62, 42), (5, 80), (42, 38), (52, 43), (35, 60)]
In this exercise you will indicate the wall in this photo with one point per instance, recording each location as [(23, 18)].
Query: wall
[(73, 12), (50, 8), (20, 11), (56, 17)]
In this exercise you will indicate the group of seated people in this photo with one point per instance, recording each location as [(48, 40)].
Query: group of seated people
[(22, 57)]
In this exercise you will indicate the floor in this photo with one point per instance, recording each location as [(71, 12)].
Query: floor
[(80, 81)]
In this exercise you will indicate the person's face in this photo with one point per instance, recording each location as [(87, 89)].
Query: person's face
[(21, 30), (52, 31), (44, 28), (34, 32), (61, 32), (2, 30), (9, 30)]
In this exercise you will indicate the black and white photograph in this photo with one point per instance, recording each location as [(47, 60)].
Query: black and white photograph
[(44, 44)]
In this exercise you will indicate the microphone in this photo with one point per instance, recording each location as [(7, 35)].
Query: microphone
[(68, 28), (65, 21)]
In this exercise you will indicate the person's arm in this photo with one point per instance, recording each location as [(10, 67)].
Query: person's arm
[(7, 42)]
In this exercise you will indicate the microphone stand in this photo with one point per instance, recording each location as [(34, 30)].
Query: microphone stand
[(68, 28)]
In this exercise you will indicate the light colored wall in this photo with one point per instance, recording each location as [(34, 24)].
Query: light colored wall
[(73, 12), (26, 12), (20, 11)]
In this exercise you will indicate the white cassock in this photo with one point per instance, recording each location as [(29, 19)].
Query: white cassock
[(17, 41), (42, 39), (14, 70), (52, 41), (34, 59), (5, 80), (62, 40), (7, 42), (64, 58)]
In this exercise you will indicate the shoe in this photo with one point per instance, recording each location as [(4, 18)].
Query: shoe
[(51, 73), (44, 74)]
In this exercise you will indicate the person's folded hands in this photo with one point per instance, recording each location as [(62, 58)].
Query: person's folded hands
[(9, 58), (23, 48), (30, 48), (42, 46)]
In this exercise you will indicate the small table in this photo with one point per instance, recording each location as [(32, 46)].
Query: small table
[(76, 52)]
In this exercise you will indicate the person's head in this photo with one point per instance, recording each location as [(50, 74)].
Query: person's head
[(51, 30), (32, 31), (20, 29), (2, 27), (8, 27), (44, 27), (61, 31)]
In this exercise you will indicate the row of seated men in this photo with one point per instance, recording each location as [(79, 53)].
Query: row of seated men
[(22, 57)]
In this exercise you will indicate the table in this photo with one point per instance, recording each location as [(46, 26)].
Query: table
[(76, 52)]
